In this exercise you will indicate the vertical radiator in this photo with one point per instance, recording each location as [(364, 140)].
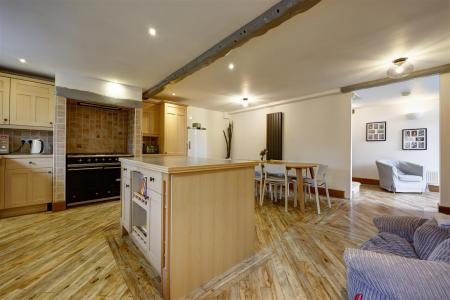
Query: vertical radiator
[(433, 178), (274, 136)]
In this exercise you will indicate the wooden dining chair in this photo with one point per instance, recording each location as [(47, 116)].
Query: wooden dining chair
[(319, 180), (276, 177), (258, 180)]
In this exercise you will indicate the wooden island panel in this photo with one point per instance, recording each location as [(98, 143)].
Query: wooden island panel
[(213, 226)]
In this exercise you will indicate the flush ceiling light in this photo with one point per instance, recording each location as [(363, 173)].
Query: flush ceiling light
[(231, 66), (22, 60), (400, 68), (152, 31), (173, 94), (244, 102)]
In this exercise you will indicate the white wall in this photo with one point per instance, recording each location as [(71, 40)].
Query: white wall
[(214, 122), (444, 100), (315, 130), (366, 153), (98, 86)]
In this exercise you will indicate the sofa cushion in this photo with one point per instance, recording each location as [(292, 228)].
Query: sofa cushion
[(428, 236), (389, 243), (402, 226), (409, 178), (396, 277), (441, 252)]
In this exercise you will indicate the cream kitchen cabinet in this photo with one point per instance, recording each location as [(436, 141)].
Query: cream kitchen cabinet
[(31, 103), (175, 132), (2, 184), (142, 219), (4, 99), (27, 182), (150, 119)]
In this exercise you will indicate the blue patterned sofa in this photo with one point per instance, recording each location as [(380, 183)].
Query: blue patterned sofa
[(408, 259)]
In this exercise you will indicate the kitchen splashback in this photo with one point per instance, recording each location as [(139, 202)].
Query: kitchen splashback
[(92, 129), (16, 135)]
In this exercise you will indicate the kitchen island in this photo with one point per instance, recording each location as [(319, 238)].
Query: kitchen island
[(192, 218)]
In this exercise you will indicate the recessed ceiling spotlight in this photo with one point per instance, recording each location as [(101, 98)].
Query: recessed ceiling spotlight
[(244, 102), (400, 68), (173, 94), (152, 31), (22, 60), (231, 66)]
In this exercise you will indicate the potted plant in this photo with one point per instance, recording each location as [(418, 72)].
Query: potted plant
[(263, 153), (228, 137)]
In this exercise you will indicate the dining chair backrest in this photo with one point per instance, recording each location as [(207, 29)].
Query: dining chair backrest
[(275, 169), (258, 171), (321, 172)]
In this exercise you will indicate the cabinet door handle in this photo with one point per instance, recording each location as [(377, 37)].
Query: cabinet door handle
[(5, 119), (127, 185), (30, 162), (152, 179), (125, 169), (49, 172), (51, 123)]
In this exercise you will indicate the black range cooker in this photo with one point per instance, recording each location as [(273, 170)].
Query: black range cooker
[(92, 177)]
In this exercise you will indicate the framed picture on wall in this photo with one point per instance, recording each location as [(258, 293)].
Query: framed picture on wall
[(376, 132), (414, 139)]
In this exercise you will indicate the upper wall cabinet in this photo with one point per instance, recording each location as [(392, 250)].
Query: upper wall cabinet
[(4, 100), (175, 132), (150, 119), (31, 103)]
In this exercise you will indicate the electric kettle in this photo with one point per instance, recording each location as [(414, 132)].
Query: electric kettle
[(36, 146)]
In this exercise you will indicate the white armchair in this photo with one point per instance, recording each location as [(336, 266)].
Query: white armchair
[(401, 176)]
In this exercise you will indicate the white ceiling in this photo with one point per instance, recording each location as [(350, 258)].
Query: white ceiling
[(108, 39), (424, 88), (334, 44)]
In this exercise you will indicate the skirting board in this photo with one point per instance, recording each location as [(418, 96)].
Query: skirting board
[(18, 211), (444, 209), (58, 206), (366, 181), (433, 188), (333, 193)]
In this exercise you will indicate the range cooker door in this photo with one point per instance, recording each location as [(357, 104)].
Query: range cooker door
[(111, 183), (85, 184)]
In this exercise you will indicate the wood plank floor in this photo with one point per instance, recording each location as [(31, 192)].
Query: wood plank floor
[(79, 254)]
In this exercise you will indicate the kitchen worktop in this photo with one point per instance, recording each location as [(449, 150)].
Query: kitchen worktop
[(184, 164), (25, 155)]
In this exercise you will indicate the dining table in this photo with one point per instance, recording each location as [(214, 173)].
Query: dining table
[(298, 167)]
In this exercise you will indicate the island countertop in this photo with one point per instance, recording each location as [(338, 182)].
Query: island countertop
[(183, 164)]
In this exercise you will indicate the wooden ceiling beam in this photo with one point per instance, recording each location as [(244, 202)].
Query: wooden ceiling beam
[(271, 18)]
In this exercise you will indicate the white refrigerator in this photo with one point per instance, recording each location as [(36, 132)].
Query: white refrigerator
[(197, 143)]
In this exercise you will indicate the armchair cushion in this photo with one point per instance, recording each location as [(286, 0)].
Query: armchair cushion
[(380, 276), (441, 252), (389, 243), (410, 178), (428, 236), (403, 226)]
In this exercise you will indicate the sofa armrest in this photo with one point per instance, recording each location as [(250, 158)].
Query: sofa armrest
[(397, 277), (403, 226)]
